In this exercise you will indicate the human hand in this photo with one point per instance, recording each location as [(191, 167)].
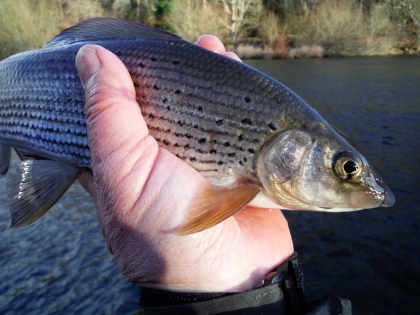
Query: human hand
[(142, 192)]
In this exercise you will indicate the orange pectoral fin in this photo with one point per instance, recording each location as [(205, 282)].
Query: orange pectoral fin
[(215, 204)]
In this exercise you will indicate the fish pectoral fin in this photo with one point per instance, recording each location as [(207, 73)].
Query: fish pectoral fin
[(35, 187), (5, 152), (216, 204), (105, 28)]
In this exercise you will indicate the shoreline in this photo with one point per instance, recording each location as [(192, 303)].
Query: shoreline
[(252, 51)]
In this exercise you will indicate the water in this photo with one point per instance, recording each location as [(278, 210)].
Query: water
[(373, 256), (61, 264)]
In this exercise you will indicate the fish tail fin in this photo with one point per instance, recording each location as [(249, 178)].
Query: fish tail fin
[(35, 187)]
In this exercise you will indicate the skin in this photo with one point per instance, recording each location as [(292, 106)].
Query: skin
[(142, 192)]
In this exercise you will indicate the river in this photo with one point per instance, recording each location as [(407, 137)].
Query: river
[(61, 264)]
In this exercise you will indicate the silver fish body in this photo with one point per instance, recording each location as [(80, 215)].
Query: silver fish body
[(213, 112)]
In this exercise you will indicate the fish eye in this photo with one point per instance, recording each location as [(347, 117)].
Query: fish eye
[(346, 166)]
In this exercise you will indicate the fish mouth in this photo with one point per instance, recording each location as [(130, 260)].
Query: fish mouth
[(389, 199)]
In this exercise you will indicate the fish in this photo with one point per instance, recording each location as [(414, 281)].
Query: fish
[(254, 139)]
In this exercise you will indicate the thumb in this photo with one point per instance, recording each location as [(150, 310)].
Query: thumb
[(112, 113), (115, 126)]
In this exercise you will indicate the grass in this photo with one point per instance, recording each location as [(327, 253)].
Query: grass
[(191, 18), (27, 24), (337, 26), (342, 27)]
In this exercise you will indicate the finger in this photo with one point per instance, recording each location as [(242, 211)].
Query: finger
[(232, 55), (112, 112), (211, 42), (117, 133)]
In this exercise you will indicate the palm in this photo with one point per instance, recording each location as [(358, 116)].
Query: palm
[(142, 194)]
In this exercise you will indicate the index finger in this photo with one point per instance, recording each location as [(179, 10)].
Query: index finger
[(214, 44)]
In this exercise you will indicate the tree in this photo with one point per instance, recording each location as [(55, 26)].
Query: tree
[(241, 13)]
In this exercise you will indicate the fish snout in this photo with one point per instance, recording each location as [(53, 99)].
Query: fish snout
[(389, 198)]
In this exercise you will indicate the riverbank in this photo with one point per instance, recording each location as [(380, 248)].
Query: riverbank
[(282, 50), (252, 28)]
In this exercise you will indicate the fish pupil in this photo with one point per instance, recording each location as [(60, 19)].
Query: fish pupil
[(350, 167)]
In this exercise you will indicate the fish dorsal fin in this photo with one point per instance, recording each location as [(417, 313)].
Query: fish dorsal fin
[(35, 187), (106, 28), (215, 204)]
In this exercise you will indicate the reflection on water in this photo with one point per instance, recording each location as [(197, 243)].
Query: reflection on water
[(61, 264)]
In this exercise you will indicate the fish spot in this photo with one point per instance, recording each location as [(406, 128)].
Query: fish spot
[(188, 136), (241, 163), (213, 151), (156, 87), (272, 126), (186, 146), (245, 159), (168, 108), (175, 62), (251, 150), (240, 138), (141, 64), (219, 122), (166, 142), (231, 154), (177, 92), (200, 108), (220, 163), (164, 99), (193, 159), (153, 59), (202, 140), (151, 116), (247, 99), (227, 144), (176, 145), (246, 121)]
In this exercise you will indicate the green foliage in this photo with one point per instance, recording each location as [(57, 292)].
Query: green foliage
[(162, 7)]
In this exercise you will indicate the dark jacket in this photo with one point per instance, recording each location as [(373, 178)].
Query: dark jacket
[(282, 293)]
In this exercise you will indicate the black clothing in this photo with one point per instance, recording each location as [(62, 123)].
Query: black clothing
[(282, 293)]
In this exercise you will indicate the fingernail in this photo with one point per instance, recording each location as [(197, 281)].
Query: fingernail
[(87, 63)]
